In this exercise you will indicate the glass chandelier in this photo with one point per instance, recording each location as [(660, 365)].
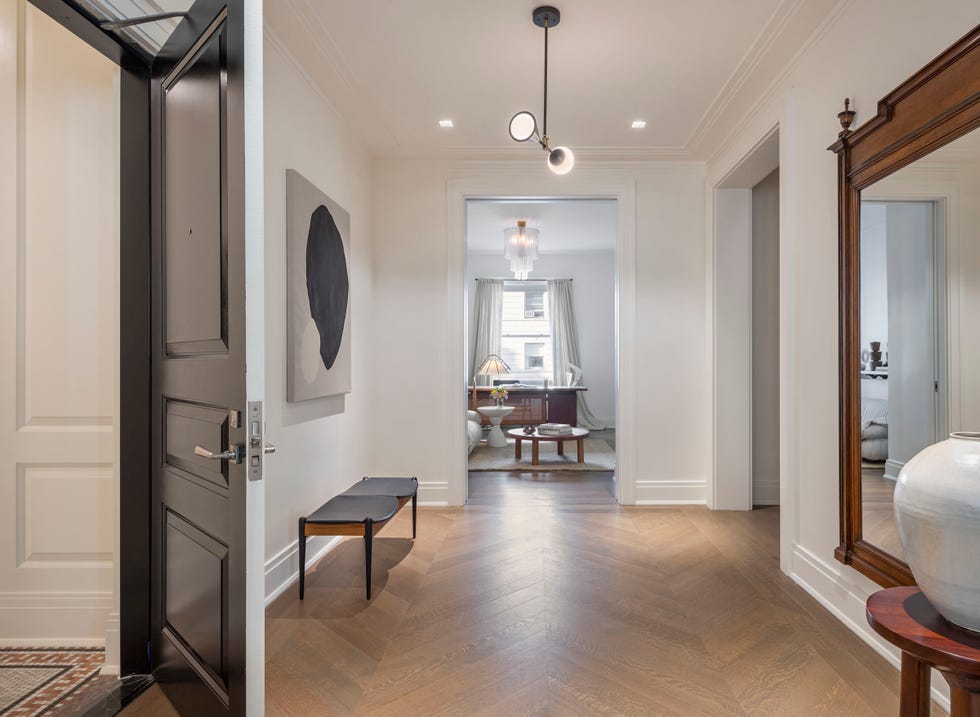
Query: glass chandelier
[(521, 249)]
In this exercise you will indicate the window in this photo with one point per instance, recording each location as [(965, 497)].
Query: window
[(525, 340)]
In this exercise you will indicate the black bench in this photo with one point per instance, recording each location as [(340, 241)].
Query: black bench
[(363, 509)]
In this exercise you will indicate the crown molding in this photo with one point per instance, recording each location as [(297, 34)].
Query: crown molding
[(381, 139)]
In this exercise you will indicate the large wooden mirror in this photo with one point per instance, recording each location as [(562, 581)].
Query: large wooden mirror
[(909, 293)]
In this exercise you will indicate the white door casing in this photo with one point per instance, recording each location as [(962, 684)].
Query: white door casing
[(59, 209)]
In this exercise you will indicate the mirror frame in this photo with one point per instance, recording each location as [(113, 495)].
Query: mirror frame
[(938, 104)]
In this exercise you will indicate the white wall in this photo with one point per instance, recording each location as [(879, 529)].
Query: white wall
[(765, 341), (912, 338), (732, 358), (594, 294), (322, 445), (59, 329), (411, 310), (843, 59)]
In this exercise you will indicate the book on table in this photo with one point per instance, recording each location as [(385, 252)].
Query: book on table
[(555, 429)]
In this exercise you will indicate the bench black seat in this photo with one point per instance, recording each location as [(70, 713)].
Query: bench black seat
[(346, 508), (363, 509), (398, 487)]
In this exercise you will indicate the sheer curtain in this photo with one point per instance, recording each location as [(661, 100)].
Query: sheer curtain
[(488, 321), (566, 351)]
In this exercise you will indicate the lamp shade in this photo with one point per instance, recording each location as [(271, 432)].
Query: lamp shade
[(561, 160), (492, 365), (523, 126)]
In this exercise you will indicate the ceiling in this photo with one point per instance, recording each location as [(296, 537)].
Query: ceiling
[(394, 69), (566, 225)]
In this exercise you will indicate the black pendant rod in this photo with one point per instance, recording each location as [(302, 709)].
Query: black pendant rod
[(545, 118)]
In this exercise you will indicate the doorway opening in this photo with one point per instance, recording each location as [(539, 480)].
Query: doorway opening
[(541, 343), (746, 330), (903, 326)]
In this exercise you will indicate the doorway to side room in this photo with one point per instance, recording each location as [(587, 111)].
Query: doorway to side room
[(746, 328), (545, 334)]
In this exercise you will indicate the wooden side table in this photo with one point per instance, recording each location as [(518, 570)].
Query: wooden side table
[(906, 619)]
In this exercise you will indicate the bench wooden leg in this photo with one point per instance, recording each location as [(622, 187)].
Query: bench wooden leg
[(368, 537), (302, 557), (561, 448), (414, 512)]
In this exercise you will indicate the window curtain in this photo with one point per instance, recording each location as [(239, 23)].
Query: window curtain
[(488, 321), (566, 352)]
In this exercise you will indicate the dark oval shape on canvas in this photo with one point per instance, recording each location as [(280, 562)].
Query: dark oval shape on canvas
[(327, 282)]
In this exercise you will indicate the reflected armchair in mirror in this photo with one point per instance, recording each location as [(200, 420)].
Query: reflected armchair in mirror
[(909, 205)]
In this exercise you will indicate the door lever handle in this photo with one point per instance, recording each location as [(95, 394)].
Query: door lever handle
[(231, 455)]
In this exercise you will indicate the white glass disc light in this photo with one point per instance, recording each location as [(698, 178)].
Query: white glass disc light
[(523, 126)]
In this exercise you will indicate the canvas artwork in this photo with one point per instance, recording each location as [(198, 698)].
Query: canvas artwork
[(318, 348)]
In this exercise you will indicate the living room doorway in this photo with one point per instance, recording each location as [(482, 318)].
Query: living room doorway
[(540, 348)]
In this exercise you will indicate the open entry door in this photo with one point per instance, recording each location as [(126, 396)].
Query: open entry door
[(199, 413)]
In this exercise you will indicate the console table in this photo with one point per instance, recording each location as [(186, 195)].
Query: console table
[(555, 404), (906, 619)]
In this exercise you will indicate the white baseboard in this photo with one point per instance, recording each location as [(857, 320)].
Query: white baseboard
[(765, 492), (893, 468), (845, 597), (113, 662), (433, 493), (51, 642), (282, 570), (53, 619), (675, 492)]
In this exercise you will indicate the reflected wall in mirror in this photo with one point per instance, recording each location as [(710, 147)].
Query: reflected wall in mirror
[(910, 294)]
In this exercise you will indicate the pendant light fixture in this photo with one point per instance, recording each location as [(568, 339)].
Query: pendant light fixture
[(523, 125), (521, 249)]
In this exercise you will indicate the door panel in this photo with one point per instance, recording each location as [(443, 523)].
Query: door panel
[(198, 393)]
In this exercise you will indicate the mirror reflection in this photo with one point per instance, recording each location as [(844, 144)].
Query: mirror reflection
[(920, 294)]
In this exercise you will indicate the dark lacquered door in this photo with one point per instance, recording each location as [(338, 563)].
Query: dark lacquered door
[(198, 364)]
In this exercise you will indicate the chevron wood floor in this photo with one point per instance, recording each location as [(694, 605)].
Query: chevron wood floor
[(543, 596)]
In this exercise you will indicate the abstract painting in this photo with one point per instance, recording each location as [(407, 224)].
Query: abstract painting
[(318, 347)]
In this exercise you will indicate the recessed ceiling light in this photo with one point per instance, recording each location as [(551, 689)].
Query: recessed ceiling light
[(446, 123), (639, 124)]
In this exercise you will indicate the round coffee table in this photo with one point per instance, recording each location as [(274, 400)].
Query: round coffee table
[(578, 435), (496, 414)]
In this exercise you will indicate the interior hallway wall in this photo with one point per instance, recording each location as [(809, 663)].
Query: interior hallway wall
[(322, 444), (842, 60), (765, 341), (412, 318), (59, 335), (594, 294)]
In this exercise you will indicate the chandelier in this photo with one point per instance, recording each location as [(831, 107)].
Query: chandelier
[(523, 125), (521, 249)]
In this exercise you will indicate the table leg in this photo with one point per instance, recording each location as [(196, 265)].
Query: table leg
[(581, 450), (561, 448), (517, 449), (964, 695), (534, 453), (915, 687)]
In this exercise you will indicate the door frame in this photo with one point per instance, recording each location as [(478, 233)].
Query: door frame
[(134, 330), (943, 196), (516, 185)]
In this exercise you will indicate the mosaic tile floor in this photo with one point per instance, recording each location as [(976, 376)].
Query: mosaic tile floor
[(44, 681)]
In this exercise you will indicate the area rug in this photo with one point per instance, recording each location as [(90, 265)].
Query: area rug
[(598, 457), (43, 681)]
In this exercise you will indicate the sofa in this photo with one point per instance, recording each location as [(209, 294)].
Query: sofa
[(474, 431)]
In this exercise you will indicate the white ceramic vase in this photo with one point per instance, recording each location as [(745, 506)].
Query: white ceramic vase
[(937, 506)]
